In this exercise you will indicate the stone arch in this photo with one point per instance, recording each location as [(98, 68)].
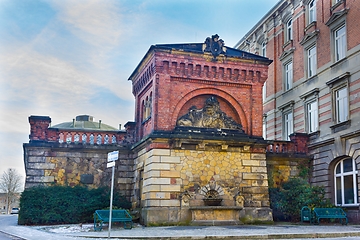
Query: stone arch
[(238, 109)]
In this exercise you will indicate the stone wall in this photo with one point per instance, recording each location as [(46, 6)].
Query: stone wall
[(70, 164), (174, 180)]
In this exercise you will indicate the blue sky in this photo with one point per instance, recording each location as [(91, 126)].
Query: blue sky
[(63, 58)]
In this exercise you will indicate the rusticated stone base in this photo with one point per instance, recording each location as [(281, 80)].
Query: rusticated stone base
[(215, 215), (204, 215)]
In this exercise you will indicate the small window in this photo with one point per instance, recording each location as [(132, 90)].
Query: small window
[(288, 124), (264, 128), (311, 61), (98, 139), (289, 34), (341, 105), (288, 68), (92, 138), (312, 11), (84, 138), (346, 183), (312, 116), (113, 139), (106, 139), (76, 138), (264, 92), (263, 49), (68, 138), (340, 43), (61, 138)]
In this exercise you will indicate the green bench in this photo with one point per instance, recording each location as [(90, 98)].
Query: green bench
[(102, 216), (330, 213)]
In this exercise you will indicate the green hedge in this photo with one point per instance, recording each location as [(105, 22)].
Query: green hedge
[(287, 200), (64, 204)]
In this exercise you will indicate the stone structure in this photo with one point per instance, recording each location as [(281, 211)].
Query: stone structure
[(194, 154), (199, 112), (313, 87), (74, 153)]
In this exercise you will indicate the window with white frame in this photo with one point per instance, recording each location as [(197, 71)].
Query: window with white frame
[(311, 61), (341, 105), (288, 124), (263, 49), (264, 128), (340, 43), (345, 175), (312, 116), (289, 30), (312, 11), (264, 92), (288, 72)]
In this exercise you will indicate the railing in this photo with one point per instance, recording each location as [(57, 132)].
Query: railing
[(88, 138), (285, 147)]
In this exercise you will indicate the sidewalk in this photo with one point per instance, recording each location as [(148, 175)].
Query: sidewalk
[(287, 231)]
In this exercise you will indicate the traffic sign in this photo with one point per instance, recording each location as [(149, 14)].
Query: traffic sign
[(110, 164), (113, 156)]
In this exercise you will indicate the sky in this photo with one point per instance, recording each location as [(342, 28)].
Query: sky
[(64, 58)]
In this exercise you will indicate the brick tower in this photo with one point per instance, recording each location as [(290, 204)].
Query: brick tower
[(198, 121)]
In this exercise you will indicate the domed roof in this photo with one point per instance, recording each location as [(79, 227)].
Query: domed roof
[(85, 122)]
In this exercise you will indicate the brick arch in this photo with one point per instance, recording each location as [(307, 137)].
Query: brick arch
[(216, 92)]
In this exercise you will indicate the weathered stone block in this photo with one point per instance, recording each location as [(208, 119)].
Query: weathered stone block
[(173, 174), (41, 165), (167, 159), (254, 176), (157, 181), (250, 162), (152, 203), (259, 169), (35, 172), (159, 152), (152, 188), (152, 159), (258, 156), (170, 203), (32, 159), (170, 188), (157, 166), (154, 173)]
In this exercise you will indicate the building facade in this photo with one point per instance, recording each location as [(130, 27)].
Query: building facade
[(313, 87), (196, 140)]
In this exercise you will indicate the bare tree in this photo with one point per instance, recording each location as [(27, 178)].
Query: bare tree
[(10, 184)]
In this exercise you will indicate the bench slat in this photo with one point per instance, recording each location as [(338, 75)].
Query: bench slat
[(102, 216), (330, 213)]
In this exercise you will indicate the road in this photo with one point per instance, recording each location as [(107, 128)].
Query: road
[(9, 229)]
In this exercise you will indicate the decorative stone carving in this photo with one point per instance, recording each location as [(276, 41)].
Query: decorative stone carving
[(210, 116), (214, 45)]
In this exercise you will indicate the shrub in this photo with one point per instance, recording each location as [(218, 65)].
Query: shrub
[(287, 200), (64, 204)]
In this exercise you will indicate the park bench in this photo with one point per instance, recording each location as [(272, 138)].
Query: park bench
[(330, 213), (102, 216)]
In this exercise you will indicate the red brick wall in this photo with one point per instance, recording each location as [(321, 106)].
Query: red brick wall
[(182, 80)]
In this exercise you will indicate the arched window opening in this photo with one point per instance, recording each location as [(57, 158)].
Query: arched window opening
[(91, 138), (113, 139), (98, 139), (345, 175), (61, 138), (106, 139)]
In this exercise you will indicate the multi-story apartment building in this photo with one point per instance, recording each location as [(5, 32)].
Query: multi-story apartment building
[(314, 87)]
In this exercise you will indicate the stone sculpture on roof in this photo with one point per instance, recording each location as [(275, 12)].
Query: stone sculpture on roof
[(214, 45)]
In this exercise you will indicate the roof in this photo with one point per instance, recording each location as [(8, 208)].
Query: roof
[(198, 48), (85, 122)]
